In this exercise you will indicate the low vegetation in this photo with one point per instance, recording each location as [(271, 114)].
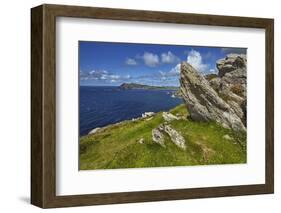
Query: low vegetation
[(119, 146)]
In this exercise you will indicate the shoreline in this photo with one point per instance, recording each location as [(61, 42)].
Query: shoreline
[(146, 116)]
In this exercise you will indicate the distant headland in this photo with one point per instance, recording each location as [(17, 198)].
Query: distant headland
[(142, 86)]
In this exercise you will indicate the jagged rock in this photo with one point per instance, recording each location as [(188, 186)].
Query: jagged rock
[(169, 116), (93, 131), (158, 137), (230, 63), (215, 83), (176, 137), (232, 86), (147, 114), (203, 102)]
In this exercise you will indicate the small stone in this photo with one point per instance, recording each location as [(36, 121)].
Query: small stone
[(141, 141), (227, 137)]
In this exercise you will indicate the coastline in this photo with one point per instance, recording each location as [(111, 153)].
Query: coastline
[(119, 105)]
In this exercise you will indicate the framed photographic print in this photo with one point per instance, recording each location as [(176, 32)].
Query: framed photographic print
[(137, 106)]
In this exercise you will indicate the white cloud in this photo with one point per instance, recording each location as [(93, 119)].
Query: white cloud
[(169, 58), (103, 77), (162, 73), (98, 75), (130, 61), (150, 59), (114, 76), (175, 70), (194, 58), (98, 72)]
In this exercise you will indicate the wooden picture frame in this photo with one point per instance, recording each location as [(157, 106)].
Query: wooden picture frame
[(43, 105)]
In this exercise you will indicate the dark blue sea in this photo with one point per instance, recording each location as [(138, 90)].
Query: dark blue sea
[(100, 106)]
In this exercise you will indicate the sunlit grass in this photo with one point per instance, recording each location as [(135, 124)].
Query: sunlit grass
[(118, 147)]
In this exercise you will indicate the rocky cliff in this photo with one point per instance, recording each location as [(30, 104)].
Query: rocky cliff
[(221, 98)]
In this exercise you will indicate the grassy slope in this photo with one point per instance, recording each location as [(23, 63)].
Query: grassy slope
[(117, 147)]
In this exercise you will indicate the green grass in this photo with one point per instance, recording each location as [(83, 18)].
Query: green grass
[(118, 147)]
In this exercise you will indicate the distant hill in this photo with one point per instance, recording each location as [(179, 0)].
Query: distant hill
[(142, 86)]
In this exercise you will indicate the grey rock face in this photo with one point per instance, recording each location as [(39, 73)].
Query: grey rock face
[(175, 136), (158, 137), (233, 85), (230, 63), (207, 103)]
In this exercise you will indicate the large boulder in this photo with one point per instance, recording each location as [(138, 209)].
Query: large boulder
[(204, 102)]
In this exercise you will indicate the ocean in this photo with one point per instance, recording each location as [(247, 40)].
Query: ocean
[(100, 106)]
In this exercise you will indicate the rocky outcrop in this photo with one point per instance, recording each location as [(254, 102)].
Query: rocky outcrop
[(223, 98), (232, 84), (169, 116), (175, 136), (158, 137), (230, 63)]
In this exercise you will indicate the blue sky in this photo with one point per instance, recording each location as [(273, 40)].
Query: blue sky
[(111, 64)]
